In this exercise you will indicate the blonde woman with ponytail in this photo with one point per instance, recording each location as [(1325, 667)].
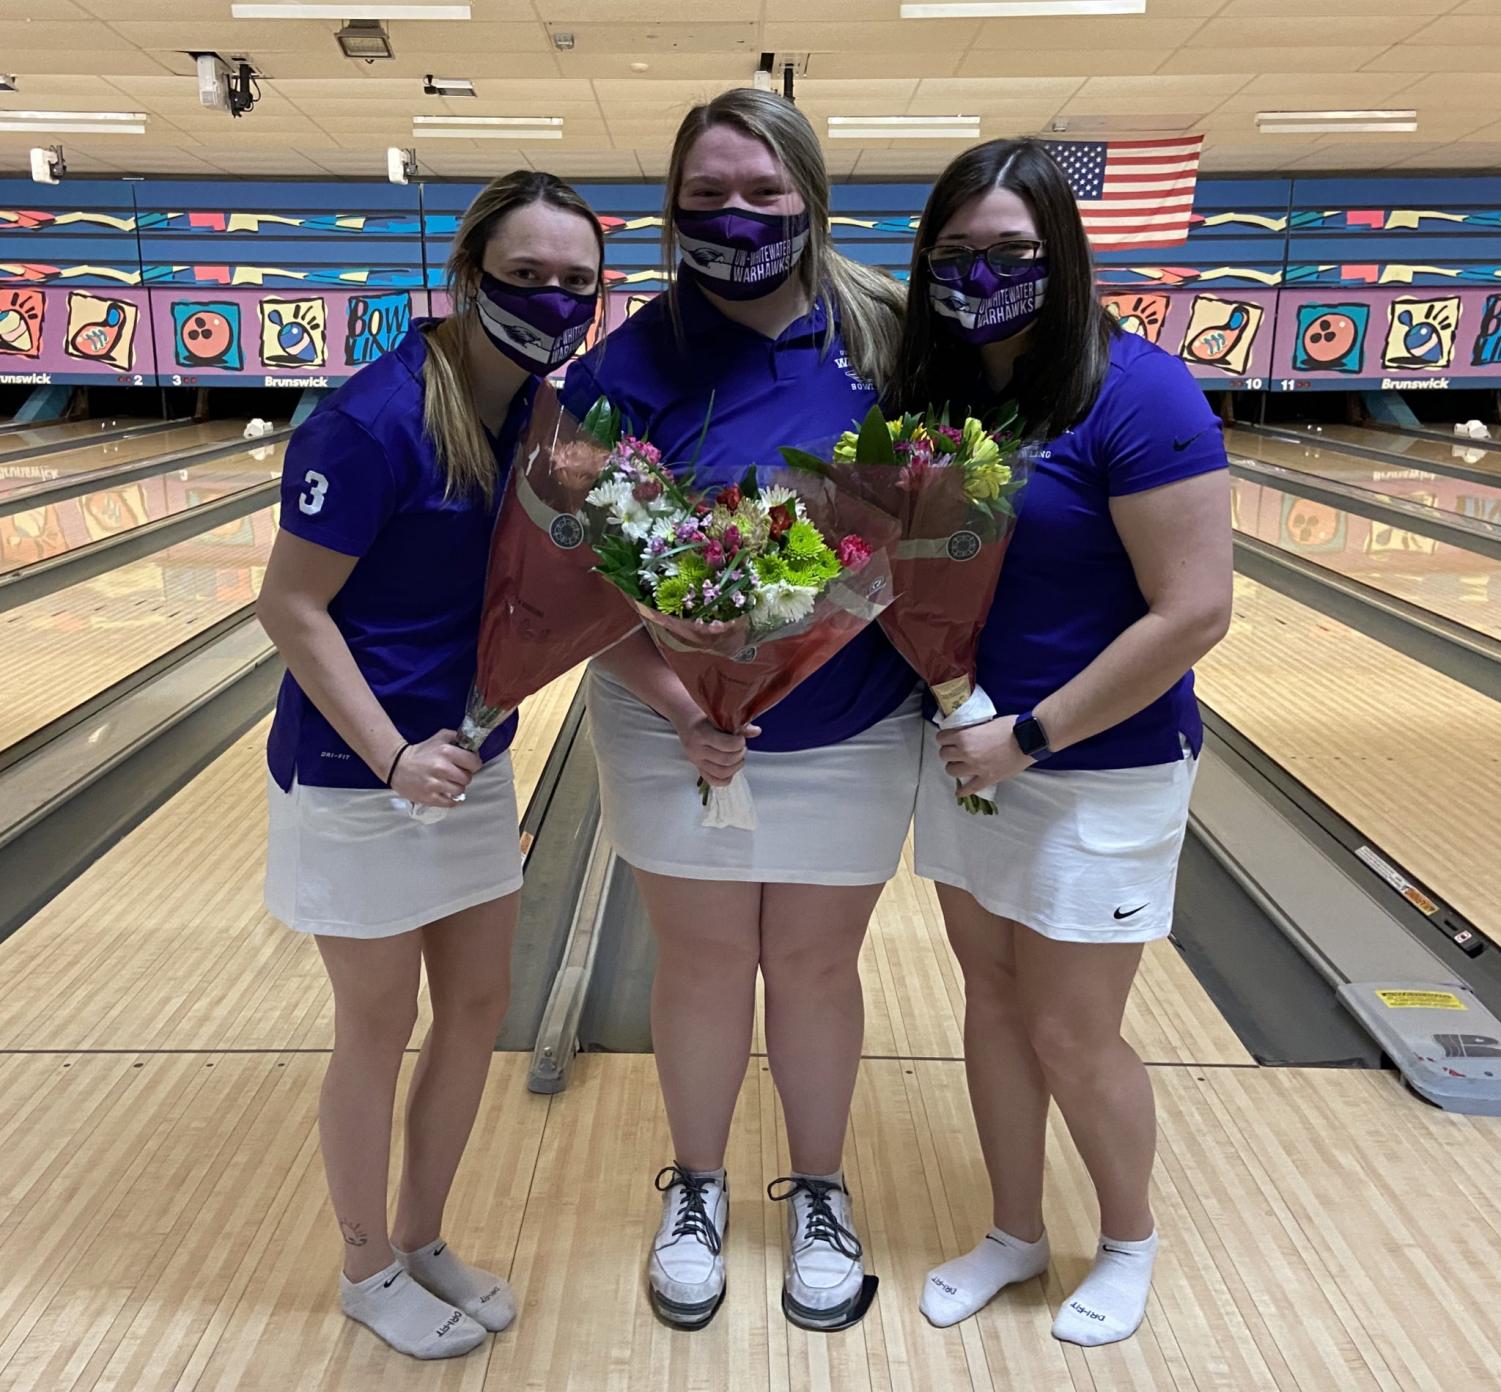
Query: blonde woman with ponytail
[(778, 339), (373, 597)]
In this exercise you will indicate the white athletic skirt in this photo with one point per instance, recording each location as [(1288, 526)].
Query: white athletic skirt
[(353, 862), (832, 816), (1078, 855)]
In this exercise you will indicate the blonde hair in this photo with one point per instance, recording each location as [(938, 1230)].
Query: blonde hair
[(866, 302), (448, 416)]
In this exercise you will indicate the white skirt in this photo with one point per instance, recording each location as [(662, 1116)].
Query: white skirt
[(832, 816), (354, 863), (1078, 855)]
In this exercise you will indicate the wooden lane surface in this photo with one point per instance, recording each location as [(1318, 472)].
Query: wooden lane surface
[(164, 1226), (17, 474), (1451, 581), (164, 942), (76, 642), (1409, 756)]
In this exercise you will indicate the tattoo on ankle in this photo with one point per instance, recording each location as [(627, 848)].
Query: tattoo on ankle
[(354, 1234)]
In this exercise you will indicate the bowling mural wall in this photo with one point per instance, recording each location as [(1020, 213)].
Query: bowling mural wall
[(1282, 284)]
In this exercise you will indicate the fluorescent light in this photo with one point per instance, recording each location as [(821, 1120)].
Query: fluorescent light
[(447, 86), (484, 133), (75, 122), (487, 121), (1336, 122), (344, 9), (1020, 9), (904, 127)]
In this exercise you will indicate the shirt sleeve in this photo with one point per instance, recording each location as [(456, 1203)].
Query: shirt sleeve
[(337, 486), (1161, 428), (581, 388)]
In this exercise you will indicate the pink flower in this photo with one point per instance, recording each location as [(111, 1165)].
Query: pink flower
[(732, 540), (917, 473), (852, 552), (578, 463), (954, 437), (714, 556)]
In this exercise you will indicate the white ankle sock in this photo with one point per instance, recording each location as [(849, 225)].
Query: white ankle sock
[(1112, 1300), (408, 1317), (485, 1298), (960, 1288)]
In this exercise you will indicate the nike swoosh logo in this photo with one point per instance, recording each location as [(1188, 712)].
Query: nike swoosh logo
[(1184, 443), (1130, 912)]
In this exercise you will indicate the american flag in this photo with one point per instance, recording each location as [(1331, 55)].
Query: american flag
[(1132, 193)]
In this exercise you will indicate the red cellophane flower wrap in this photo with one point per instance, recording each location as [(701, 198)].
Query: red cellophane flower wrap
[(953, 491), (546, 607), (745, 590)]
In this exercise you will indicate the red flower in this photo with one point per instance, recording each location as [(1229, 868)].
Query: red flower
[(730, 497), (703, 509), (648, 490), (714, 556), (781, 520), (852, 552), (733, 541)]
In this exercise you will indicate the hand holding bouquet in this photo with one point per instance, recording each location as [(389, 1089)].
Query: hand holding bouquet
[(953, 489), (546, 609), (746, 590)]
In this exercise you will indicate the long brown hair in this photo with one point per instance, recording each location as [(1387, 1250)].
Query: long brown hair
[(867, 302), (1059, 375), (448, 414)]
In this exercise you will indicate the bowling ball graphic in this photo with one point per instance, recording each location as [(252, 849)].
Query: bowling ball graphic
[(1329, 338), (21, 323), (1311, 526), (206, 337)]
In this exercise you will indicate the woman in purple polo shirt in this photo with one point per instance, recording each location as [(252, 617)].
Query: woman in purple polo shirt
[(1117, 581), (373, 596), (785, 338)]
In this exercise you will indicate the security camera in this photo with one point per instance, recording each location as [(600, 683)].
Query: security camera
[(401, 165), (226, 87), (47, 164)]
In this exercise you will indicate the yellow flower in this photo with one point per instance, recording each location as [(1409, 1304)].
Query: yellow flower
[(983, 482), (978, 446)]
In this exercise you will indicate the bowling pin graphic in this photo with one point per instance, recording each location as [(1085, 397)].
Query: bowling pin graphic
[(98, 340), (1421, 340), (1215, 343)]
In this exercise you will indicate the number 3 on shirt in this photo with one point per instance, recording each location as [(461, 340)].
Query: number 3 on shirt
[(312, 501)]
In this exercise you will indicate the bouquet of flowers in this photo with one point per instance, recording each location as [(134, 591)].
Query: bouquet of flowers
[(746, 590), (546, 608), (953, 489)]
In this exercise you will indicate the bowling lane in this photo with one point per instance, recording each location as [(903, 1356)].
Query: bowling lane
[(19, 474), (67, 647), (1406, 754), (15, 435), (1450, 581), (41, 533), (1420, 449), (1415, 484)]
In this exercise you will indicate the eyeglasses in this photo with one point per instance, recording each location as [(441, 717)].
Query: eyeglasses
[(1007, 259)]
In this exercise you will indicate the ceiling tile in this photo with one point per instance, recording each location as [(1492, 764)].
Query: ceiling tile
[(1261, 60), (1330, 9), (1105, 31), (1051, 62), (80, 61), (24, 11), (982, 95), (664, 39), (1436, 59), (1290, 32), (1461, 30), (727, 69), (666, 14), (926, 63), (226, 36), (1322, 89)]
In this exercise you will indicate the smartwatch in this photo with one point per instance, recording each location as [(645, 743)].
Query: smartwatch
[(1030, 737)]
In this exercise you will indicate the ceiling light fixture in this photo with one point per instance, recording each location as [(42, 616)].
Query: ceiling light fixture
[(7, 84), (488, 127), (904, 127), (1336, 122), (75, 122), (1019, 9), (343, 9), (365, 38)]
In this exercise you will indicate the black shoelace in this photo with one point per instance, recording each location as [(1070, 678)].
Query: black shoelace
[(693, 1217), (820, 1225)]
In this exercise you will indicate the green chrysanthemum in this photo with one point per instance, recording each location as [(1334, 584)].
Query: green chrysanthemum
[(804, 542), (984, 482), (693, 568), (671, 594), (814, 570), (771, 569)]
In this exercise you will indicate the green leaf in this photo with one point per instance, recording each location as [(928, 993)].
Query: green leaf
[(750, 485), (875, 445), (804, 462), (603, 422), (703, 435)]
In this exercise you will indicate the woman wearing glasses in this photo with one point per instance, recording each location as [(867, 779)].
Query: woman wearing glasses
[(1117, 581)]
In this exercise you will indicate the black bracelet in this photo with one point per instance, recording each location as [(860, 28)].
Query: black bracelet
[(392, 773)]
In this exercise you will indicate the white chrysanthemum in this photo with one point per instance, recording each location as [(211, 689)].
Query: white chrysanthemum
[(609, 495), (782, 603), (776, 496)]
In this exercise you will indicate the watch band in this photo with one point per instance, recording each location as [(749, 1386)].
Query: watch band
[(1030, 737)]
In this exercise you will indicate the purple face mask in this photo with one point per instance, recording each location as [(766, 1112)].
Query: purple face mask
[(986, 308), (738, 254), (538, 327)]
